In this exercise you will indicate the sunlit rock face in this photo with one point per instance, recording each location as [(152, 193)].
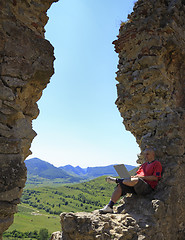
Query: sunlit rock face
[(151, 100), (26, 65)]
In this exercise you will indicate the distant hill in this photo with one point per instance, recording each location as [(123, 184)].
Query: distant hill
[(74, 170), (93, 172), (38, 167), (42, 172)]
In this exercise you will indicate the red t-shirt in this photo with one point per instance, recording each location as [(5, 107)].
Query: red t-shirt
[(153, 168)]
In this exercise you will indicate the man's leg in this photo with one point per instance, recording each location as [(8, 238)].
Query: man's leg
[(131, 181), (114, 198), (121, 189), (116, 194)]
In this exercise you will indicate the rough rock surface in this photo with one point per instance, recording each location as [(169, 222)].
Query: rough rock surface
[(56, 236), (151, 100), (26, 65)]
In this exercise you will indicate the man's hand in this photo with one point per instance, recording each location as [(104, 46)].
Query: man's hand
[(134, 178)]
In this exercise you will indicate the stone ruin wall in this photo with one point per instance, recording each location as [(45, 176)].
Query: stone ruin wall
[(151, 100), (26, 65)]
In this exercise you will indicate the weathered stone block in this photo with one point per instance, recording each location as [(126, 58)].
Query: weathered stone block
[(6, 93), (9, 145)]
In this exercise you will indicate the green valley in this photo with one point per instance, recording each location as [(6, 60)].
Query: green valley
[(44, 198), (86, 196), (41, 206)]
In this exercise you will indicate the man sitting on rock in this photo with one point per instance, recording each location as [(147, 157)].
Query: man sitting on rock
[(144, 182)]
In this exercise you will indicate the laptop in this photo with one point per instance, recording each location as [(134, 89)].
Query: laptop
[(122, 171)]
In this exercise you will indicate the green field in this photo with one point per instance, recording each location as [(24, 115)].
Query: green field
[(29, 219), (41, 206)]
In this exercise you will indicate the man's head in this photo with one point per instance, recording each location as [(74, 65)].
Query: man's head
[(149, 154)]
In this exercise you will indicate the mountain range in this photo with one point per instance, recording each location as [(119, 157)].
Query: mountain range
[(45, 170), (92, 172)]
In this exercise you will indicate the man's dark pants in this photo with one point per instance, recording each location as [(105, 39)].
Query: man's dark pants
[(141, 187)]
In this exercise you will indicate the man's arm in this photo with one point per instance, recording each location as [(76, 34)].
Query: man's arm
[(148, 178)]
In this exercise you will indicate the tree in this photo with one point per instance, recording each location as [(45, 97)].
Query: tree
[(43, 234)]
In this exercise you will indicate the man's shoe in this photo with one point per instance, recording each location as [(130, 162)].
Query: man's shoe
[(110, 180), (106, 209)]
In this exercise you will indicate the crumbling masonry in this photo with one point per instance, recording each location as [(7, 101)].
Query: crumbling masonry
[(26, 65), (151, 100)]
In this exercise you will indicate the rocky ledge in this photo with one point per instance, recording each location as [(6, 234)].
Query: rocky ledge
[(134, 218)]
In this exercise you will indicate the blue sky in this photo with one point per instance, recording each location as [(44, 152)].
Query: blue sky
[(79, 123)]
